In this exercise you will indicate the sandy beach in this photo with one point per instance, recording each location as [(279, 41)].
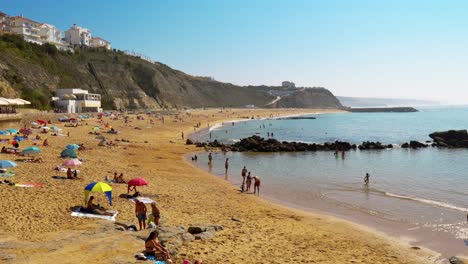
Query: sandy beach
[(36, 226)]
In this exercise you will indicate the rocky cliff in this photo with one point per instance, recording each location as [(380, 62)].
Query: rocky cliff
[(34, 72)]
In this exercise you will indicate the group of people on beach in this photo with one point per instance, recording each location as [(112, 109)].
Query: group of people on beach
[(141, 214), (247, 181)]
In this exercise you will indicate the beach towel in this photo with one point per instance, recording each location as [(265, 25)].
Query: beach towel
[(77, 213), (7, 174), (142, 199), (29, 184)]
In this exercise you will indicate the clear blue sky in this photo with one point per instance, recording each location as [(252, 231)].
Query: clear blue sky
[(394, 48)]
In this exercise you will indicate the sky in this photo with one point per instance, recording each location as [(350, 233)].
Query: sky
[(364, 48)]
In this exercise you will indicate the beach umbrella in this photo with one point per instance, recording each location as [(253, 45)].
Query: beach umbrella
[(7, 164), (73, 146), (12, 131), (96, 128), (42, 122), (137, 182), (3, 132), (31, 150), (72, 162), (98, 187), (55, 128), (18, 138), (68, 153)]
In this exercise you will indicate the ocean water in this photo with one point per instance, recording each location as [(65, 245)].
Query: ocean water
[(421, 194)]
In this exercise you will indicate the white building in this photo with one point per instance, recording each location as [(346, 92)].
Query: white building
[(50, 34), (287, 84), (97, 42), (78, 36), (76, 100), (27, 28), (4, 22)]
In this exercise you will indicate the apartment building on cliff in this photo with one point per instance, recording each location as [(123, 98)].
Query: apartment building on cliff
[(97, 42), (78, 36)]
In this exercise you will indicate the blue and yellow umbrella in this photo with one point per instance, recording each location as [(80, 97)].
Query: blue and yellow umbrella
[(98, 187)]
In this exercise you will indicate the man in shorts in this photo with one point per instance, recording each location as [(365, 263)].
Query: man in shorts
[(140, 212)]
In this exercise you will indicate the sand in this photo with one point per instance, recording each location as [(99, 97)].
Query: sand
[(36, 226)]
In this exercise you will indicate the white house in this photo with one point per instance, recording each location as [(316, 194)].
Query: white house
[(76, 100), (97, 42), (78, 36), (50, 34), (29, 29)]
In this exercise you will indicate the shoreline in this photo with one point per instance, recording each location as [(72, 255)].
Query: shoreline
[(388, 231), (42, 226)]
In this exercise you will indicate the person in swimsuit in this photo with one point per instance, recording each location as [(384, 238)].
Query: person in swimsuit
[(226, 165), (256, 185), (244, 174), (156, 213), (140, 212), (210, 158), (366, 179), (249, 181), (95, 208), (154, 248)]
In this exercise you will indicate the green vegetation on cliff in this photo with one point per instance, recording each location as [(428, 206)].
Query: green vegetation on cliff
[(34, 72)]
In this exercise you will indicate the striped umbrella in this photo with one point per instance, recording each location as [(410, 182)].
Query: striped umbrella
[(98, 187)]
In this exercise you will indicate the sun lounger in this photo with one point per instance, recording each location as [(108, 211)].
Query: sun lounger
[(77, 213)]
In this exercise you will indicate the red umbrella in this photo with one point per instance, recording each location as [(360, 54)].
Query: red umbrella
[(137, 182), (42, 122)]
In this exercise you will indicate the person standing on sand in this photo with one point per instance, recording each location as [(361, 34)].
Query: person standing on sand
[(226, 165), (243, 173), (366, 179), (256, 185), (140, 212), (249, 181), (210, 158), (156, 213)]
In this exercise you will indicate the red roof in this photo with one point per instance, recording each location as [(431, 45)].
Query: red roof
[(25, 18)]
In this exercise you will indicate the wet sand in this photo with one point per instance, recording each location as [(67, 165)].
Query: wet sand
[(37, 226)]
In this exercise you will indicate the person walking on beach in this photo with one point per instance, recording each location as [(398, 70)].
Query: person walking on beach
[(140, 212), (366, 179), (182, 135), (256, 185), (210, 158), (226, 165), (249, 181)]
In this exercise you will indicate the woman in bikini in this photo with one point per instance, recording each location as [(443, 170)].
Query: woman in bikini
[(156, 213), (154, 248)]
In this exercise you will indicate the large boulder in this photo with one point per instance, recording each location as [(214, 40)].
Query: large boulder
[(451, 138)]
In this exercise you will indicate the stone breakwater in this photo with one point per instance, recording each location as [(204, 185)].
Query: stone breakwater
[(445, 139)]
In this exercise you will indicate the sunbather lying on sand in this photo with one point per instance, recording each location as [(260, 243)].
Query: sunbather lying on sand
[(95, 208), (9, 150)]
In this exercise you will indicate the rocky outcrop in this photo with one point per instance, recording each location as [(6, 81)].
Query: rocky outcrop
[(316, 97), (259, 144), (414, 145), (369, 145), (451, 138)]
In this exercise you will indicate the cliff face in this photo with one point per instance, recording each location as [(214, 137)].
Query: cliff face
[(34, 72), (309, 98)]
